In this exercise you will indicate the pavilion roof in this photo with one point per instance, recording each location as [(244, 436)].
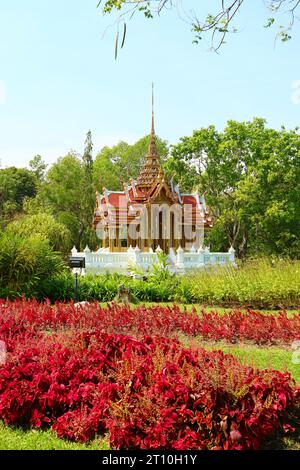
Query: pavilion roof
[(124, 206)]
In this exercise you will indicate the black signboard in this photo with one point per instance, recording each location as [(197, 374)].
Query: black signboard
[(76, 262)]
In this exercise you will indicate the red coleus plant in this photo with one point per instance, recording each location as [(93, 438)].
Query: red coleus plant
[(86, 371), (28, 317)]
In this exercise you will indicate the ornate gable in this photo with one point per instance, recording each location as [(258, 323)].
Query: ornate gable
[(161, 192)]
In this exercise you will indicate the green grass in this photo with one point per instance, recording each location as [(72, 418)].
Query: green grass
[(260, 283), (200, 307), (17, 439), (259, 357)]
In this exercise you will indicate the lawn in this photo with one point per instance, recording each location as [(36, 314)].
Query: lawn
[(208, 308), (259, 357), (18, 439)]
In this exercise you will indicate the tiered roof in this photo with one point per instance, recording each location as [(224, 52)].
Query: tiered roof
[(152, 169), (117, 207)]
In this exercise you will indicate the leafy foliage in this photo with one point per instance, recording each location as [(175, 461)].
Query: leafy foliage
[(38, 167), (120, 163), (262, 283), (219, 22), (68, 194), (24, 263), (258, 283), (87, 201), (147, 392), (15, 185), (45, 226), (171, 321), (251, 177)]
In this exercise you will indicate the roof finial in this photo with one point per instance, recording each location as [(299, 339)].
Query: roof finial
[(152, 146), (152, 127)]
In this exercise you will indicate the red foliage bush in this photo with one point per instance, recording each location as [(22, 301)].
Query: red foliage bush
[(73, 369), (28, 317)]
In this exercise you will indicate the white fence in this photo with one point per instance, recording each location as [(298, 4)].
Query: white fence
[(134, 260)]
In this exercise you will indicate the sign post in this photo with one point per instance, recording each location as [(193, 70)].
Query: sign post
[(75, 263)]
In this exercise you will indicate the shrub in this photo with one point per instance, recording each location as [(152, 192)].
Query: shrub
[(104, 288), (24, 263), (264, 283), (57, 288), (44, 226), (258, 284)]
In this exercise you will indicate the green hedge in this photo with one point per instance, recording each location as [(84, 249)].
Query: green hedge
[(104, 288), (260, 284)]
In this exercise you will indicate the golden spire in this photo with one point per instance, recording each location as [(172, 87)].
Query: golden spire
[(152, 146), (152, 168)]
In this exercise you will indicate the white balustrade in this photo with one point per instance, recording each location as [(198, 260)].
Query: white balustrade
[(180, 262)]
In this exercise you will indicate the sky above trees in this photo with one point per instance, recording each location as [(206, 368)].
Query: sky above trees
[(59, 78)]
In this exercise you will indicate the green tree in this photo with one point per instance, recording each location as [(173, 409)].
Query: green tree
[(183, 173), (270, 193), (88, 195), (106, 171), (15, 185), (251, 176), (38, 167), (63, 192)]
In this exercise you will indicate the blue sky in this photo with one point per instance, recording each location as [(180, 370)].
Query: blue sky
[(59, 78)]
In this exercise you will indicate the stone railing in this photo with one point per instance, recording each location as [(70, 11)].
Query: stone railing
[(134, 260)]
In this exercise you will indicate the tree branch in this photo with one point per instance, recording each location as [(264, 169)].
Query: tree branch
[(219, 23)]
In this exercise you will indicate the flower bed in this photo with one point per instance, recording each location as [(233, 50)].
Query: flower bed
[(259, 328), (66, 368)]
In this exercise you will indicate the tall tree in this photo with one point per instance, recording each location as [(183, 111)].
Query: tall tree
[(251, 175), (15, 185), (38, 167), (88, 194), (87, 157), (63, 193), (106, 168)]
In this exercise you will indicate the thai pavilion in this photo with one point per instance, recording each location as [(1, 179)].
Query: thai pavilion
[(151, 212), (150, 216)]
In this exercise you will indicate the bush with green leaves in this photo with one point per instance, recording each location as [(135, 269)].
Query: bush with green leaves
[(258, 283), (105, 287), (45, 226), (261, 284), (264, 283), (25, 263)]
